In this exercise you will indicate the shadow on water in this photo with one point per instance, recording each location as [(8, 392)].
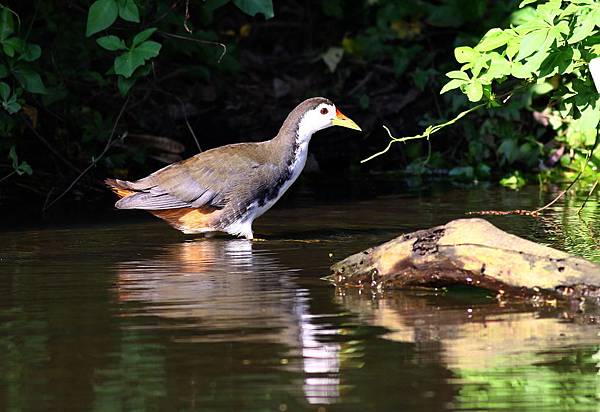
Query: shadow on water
[(137, 317)]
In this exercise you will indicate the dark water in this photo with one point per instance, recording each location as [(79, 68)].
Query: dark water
[(127, 317)]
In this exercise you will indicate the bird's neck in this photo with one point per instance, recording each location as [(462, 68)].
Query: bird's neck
[(292, 144)]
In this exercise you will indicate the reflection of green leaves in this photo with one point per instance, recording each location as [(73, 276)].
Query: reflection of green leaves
[(462, 172), (101, 15), (513, 181)]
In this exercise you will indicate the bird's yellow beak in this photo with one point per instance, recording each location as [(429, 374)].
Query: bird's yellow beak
[(340, 119)]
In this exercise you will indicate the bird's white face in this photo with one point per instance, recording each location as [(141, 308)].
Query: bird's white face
[(321, 117), (316, 119)]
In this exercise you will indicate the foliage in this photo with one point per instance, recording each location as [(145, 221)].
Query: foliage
[(48, 70), (548, 48), (66, 72)]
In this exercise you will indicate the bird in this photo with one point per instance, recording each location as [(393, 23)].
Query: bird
[(226, 188)]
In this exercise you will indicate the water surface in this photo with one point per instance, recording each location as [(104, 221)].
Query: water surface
[(135, 316)]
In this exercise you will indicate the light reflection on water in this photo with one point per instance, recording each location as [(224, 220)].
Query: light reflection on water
[(213, 286), (136, 317)]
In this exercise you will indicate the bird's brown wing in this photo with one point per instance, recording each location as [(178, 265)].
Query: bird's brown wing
[(205, 180)]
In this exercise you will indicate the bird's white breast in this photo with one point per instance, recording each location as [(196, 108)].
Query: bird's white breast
[(243, 226)]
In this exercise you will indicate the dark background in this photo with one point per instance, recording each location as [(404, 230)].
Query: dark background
[(395, 55)]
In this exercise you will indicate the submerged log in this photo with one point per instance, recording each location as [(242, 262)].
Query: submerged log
[(470, 252)]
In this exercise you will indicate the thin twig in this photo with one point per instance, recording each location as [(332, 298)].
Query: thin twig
[(48, 197), (212, 43), (7, 176), (536, 212), (187, 123), (585, 164), (48, 145), (94, 160), (425, 135), (588, 196), (186, 19)]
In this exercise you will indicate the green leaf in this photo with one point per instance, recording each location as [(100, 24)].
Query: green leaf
[(147, 49), (125, 85), (332, 57), (452, 84), (590, 117), (7, 25), (549, 10), (102, 14), (512, 47), (492, 40), (129, 61), (523, 16), (143, 36), (111, 43), (465, 54), (12, 155), (531, 43), (126, 64), (474, 91), (526, 2), (25, 168), (31, 53), (13, 45), (364, 102), (253, 7), (519, 71), (3, 71), (19, 168), (129, 11), (557, 62), (542, 88), (11, 107), (584, 28), (458, 74), (4, 91), (499, 66), (29, 79)]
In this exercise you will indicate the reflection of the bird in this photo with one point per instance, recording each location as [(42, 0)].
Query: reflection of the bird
[(225, 291), (473, 337)]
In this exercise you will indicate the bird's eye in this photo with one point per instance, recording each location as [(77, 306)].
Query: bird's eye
[(324, 110)]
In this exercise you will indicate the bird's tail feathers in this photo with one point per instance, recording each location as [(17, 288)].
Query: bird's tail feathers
[(120, 187)]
